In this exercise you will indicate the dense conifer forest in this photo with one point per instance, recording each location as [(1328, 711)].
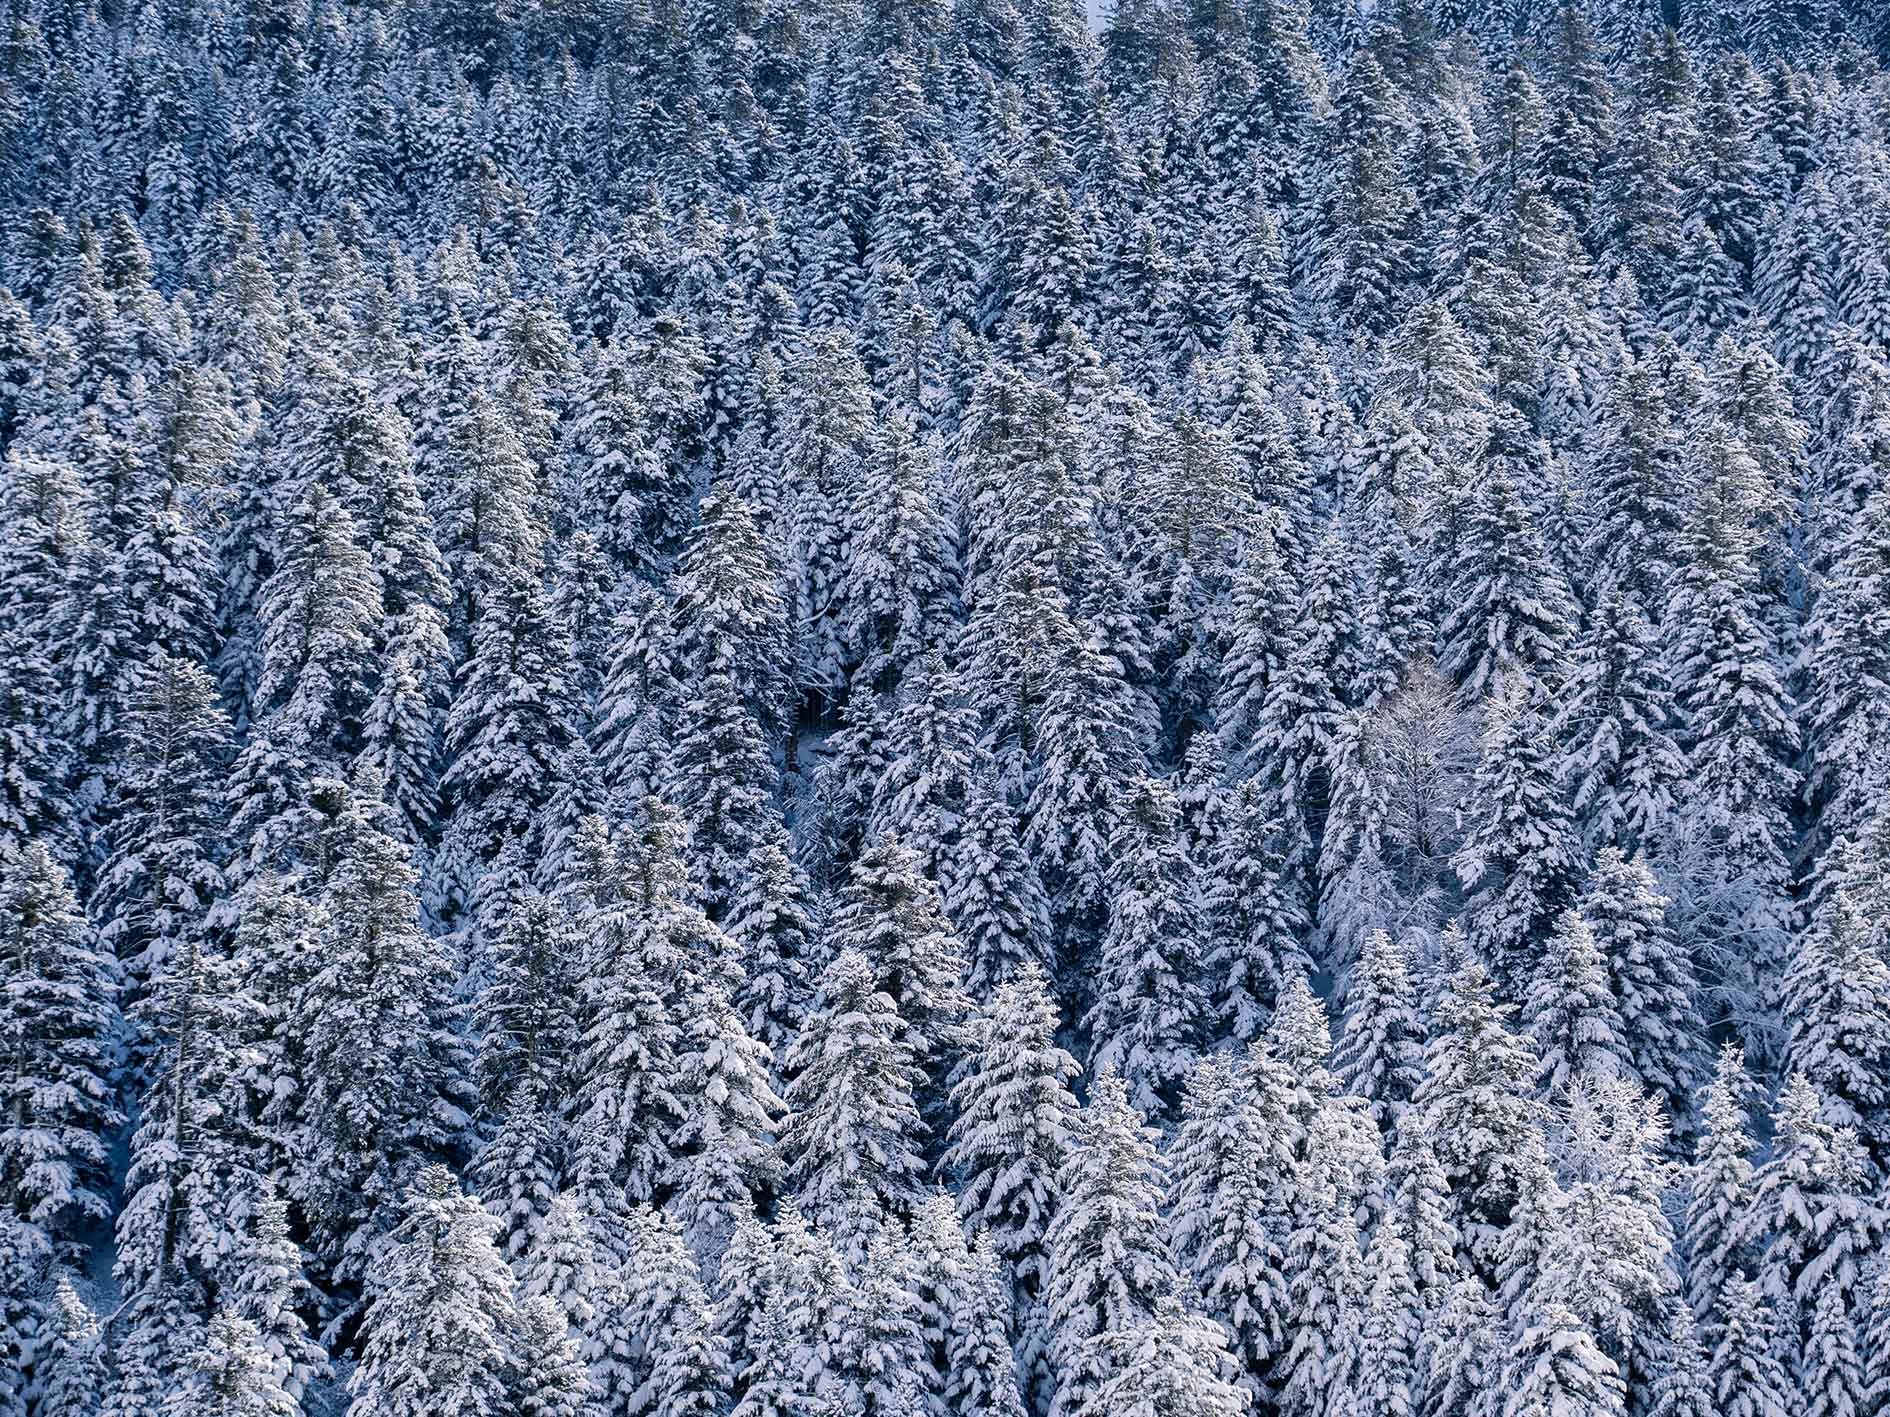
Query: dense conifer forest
[(936, 708)]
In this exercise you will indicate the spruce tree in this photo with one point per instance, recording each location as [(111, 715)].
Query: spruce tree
[(994, 897), (1509, 609), (162, 1330), (23, 1256), (1254, 922), (771, 922), (1174, 1361), (1109, 1266), (1225, 1210), (59, 1020), (853, 1128), (1380, 1054), (981, 1369), (685, 1362), (1876, 1343), (551, 1381), (1014, 1126), (269, 1288), (1460, 1354), (1836, 999), (1831, 1375), (1518, 863), (71, 1362), (385, 1066), (1571, 1015), (524, 1015), (725, 1145), (891, 916), (1718, 1247), (1147, 1020), (197, 1157), (1651, 979), (1475, 1101), (623, 1062), (1555, 1366), (231, 1375), (438, 1336), (1389, 1332), (1326, 1282), (1623, 764), (724, 783), (1807, 1213), (1748, 1379)]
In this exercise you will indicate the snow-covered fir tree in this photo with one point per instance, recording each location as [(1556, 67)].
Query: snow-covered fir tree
[(439, 1331), (1015, 1124), (60, 1020), (1109, 1268)]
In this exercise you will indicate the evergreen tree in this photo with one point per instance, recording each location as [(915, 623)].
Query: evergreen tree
[(1876, 1343), (1326, 1282), (23, 1256), (771, 922), (1808, 1215), (1014, 1127), (1509, 609), (1518, 862), (1357, 894), (1720, 1194), (1475, 1101), (684, 1358), (197, 1160), (631, 734), (551, 1381), (1109, 1266), (269, 1289), (1836, 998), (624, 1059), (1739, 739), (1831, 1377), (980, 1366), (510, 723), (1460, 1353), (384, 1063), (231, 1376), (59, 1019), (161, 875), (71, 1363), (725, 1146), (1225, 1211), (1420, 1197), (1571, 1014), (439, 1333), (900, 583), (724, 783), (163, 1330), (1748, 1379), (1172, 1362), (1624, 765), (727, 616), (853, 1127), (1380, 1055), (1557, 1367), (994, 896), (1390, 1329), (890, 915), (524, 1016), (1254, 924), (1651, 979), (1147, 1019)]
